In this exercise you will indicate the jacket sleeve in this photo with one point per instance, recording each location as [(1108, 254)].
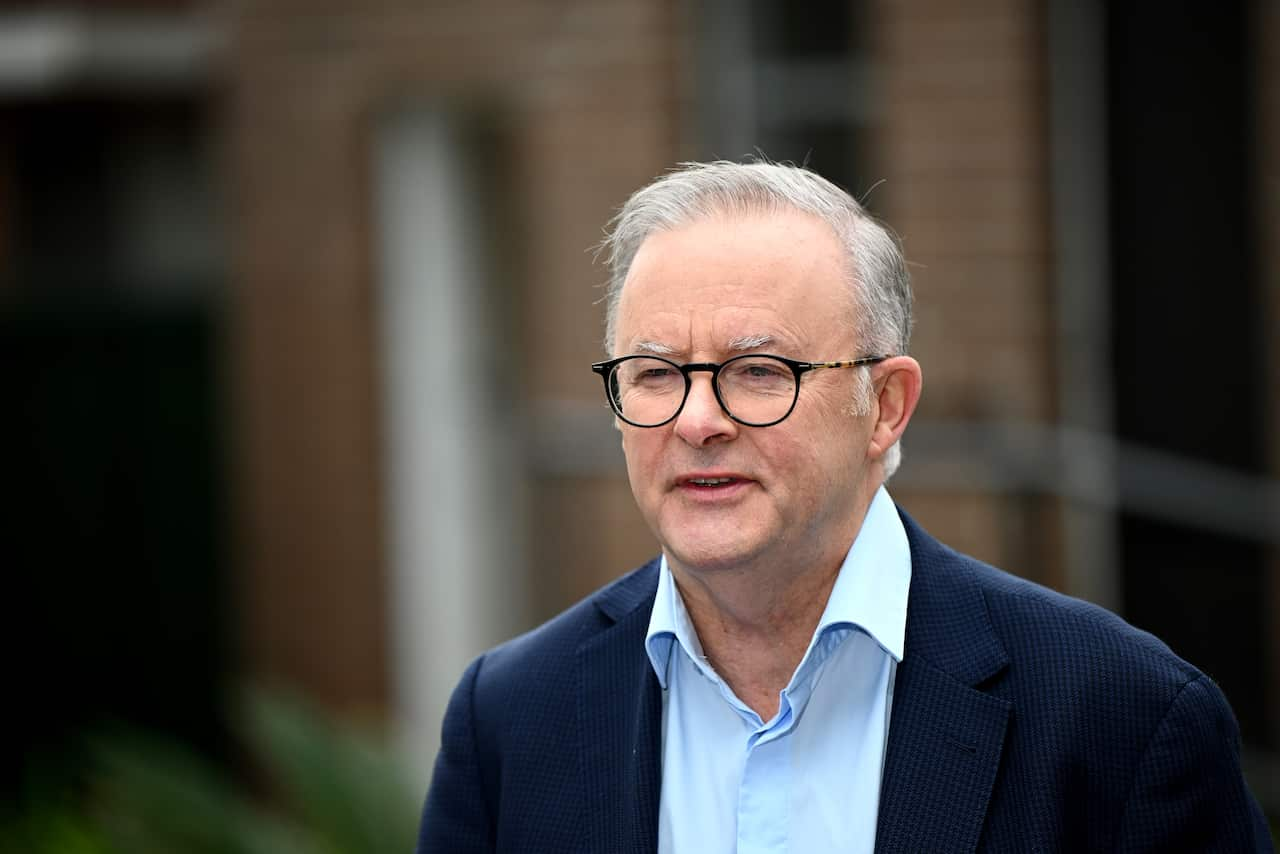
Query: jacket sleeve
[(1189, 793), (455, 818)]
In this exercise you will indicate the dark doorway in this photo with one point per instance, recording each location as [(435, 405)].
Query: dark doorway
[(1188, 342), (109, 363)]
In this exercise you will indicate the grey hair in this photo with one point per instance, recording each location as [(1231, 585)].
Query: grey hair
[(880, 284)]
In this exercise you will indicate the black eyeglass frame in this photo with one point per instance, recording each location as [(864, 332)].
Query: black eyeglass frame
[(798, 368)]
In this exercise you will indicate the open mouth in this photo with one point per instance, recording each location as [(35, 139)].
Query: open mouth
[(711, 482)]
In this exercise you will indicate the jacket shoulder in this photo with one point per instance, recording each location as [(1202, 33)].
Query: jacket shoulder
[(1044, 628), (1041, 633), (545, 656), (1106, 722)]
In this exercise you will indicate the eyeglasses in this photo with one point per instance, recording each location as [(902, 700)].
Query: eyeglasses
[(756, 390)]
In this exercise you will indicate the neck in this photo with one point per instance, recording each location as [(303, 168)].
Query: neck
[(755, 622)]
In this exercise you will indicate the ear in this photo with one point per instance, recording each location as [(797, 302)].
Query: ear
[(898, 388)]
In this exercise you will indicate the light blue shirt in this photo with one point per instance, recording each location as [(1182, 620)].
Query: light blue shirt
[(808, 780)]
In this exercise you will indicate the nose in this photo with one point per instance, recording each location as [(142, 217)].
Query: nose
[(702, 421)]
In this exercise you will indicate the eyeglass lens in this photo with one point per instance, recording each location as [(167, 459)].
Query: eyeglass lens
[(755, 389)]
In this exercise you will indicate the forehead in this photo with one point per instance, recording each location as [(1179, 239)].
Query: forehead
[(727, 278)]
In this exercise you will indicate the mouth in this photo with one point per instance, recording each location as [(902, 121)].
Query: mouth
[(713, 483), (710, 481)]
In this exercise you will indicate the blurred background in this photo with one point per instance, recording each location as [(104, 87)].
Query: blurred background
[(297, 302)]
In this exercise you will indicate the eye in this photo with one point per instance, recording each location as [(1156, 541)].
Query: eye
[(648, 374), (758, 370)]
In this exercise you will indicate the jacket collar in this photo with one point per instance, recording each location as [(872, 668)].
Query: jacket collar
[(947, 621), (620, 721), (633, 590), (943, 727)]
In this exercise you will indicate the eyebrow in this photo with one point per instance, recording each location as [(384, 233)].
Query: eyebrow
[(739, 344), (750, 342), (654, 347)]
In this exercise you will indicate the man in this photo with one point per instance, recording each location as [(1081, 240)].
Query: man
[(804, 669)]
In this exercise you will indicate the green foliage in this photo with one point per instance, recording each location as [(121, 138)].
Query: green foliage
[(346, 791), (331, 791), (50, 829)]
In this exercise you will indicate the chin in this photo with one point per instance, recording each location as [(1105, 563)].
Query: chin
[(711, 555), (711, 538)]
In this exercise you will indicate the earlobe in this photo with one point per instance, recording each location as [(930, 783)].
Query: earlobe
[(899, 391)]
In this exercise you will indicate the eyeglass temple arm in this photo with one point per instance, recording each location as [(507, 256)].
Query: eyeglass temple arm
[(852, 363)]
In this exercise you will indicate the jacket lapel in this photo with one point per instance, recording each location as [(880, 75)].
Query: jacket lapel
[(943, 753), (945, 735), (620, 725)]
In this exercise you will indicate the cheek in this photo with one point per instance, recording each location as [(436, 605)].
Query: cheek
[(825, 460), (843, 434), (797, 466), (642, 455), (831, 406)]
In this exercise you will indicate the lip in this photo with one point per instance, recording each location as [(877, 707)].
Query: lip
[(738, 484)]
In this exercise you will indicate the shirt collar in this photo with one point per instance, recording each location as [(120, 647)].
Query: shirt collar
[(669, 624), (870, 594)]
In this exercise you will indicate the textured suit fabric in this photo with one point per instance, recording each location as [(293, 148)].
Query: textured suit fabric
[(1023, 721)]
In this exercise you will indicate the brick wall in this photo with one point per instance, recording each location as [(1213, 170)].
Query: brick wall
[(584, 93), (962, 147), (590, 99)]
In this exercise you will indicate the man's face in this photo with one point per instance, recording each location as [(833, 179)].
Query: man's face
[(714, 289)]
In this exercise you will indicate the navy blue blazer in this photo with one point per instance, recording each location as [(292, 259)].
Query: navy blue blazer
[(1022, 721)]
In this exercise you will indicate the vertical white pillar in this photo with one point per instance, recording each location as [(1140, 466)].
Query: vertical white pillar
[(453, 476)]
